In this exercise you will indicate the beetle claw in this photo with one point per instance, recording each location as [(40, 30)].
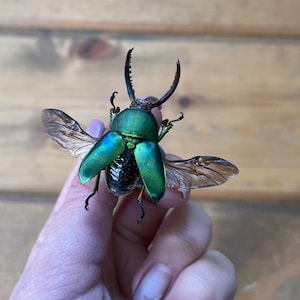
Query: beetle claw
[(142, 212), (86, 205), (168, 123), (178, 119), (141, 208)]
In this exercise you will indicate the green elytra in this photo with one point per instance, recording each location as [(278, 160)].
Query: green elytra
[(134, 128)]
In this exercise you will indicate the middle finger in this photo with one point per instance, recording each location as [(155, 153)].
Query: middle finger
[(130, 239), (182, 238)]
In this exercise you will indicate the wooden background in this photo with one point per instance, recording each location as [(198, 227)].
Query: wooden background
[(239, 91)]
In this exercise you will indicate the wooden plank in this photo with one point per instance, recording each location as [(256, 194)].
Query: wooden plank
[(240, 99), (261, 239), (21, 219), (215, 17)]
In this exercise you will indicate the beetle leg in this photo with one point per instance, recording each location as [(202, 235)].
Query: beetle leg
[(95, 190), (166, 125), (139, 201)]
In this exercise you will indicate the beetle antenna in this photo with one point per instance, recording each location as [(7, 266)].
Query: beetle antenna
[(112, 98), (128, 79), (172, 89)]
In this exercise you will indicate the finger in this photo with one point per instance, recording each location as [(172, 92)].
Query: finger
[(69, 221), (128, 212), (132, 239), (181, 239), (210, 277), (157, 114)]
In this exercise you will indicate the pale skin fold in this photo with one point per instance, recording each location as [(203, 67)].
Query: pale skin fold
[(103, 253)]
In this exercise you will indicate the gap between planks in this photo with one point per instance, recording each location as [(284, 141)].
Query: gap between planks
[(283, 32)]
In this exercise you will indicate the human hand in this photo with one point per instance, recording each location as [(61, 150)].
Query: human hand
[(104, 254)]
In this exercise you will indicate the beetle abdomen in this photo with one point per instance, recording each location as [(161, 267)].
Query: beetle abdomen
[(122, 175)]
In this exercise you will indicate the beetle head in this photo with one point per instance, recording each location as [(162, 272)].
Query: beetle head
[(149, 102)]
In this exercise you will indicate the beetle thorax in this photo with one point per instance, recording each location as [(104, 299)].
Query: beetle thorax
[(136, 123)]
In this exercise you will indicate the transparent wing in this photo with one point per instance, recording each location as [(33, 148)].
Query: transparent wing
[(198, 172), (67, 132)]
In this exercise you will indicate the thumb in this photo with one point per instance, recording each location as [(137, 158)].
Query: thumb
[(71, 241)]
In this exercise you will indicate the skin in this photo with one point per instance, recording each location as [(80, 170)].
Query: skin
[(103, 253)]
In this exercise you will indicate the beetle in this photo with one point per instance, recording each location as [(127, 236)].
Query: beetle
[(130, 153)]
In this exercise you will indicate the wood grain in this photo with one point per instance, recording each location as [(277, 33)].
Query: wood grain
[(240, 100), (243, 18), (262, 241), (239, 91)]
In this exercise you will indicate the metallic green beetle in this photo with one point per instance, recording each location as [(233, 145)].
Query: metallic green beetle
[(129, 153)]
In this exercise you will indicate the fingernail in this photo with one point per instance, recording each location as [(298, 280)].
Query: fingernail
[(154, 284), (95, 128)]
